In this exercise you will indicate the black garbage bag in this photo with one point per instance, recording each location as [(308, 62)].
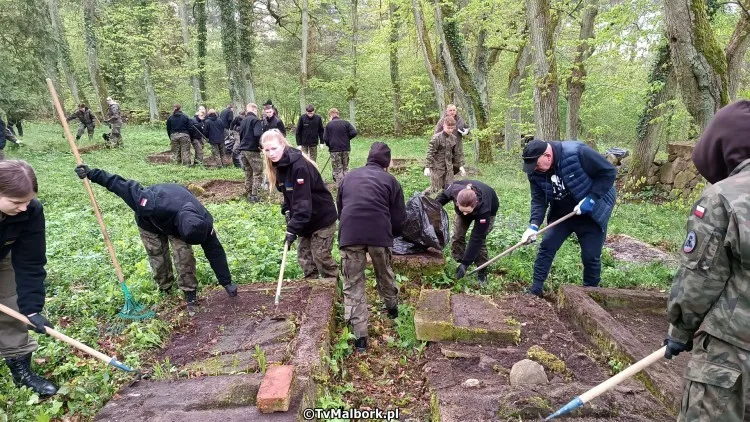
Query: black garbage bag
[(426, 226)]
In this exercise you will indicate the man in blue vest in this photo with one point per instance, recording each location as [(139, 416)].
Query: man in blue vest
[(568, 176)]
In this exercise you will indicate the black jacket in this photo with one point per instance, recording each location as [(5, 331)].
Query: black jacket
[(196, 127), (338, 135), (22, 235), (226, 117), (2, 133), (250, 131), (306, 197), (273, 123), (235, 125), (86, 116), (178, 122), (486, 208), (213, 128), (170, 209), (371, 203), (309, 130)]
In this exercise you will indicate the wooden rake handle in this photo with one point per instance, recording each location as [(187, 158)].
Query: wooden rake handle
[(519, 244), (281, 274), (86, 182)]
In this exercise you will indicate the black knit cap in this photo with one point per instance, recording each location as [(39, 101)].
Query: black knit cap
[(531, 154)]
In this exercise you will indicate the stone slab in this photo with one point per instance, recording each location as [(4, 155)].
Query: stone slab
[(433, 320), (275, 390), (478, 319), (425, 263)]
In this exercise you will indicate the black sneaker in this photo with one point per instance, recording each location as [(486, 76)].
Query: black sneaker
[(360, 345), (530, 291)]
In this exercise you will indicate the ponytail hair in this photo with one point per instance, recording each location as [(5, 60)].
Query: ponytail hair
[(17, 179), (276, 135)]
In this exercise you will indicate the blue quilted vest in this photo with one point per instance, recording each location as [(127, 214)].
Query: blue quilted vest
[(568, 168)]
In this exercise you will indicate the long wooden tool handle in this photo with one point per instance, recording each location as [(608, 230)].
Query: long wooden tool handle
[(281, 274), (519, 244), (58, 335), (86, 182), (622, 376)]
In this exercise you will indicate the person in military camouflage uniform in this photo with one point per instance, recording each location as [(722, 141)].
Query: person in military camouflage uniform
[(179, 128), (710, 293), (461, 127), (114, 119), (86, 121), (248, 145), (338, 135), (445, 157)]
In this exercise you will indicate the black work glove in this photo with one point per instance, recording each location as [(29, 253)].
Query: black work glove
[(287, 216), (38, 322), (231, 289), (674, 348), (289, 239), (460, 271), (82, 170)]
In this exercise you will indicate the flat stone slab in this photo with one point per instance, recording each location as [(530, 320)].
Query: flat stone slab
[(429, 262), (441, 316), (627, 326), (629, 249)]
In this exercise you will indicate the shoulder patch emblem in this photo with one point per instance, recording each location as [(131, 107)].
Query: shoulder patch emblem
[(482, 221), (300, 181), (699, 211), (690, 241), (143, 202)]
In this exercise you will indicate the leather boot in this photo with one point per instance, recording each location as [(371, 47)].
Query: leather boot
[(20, 368), (192, 301)]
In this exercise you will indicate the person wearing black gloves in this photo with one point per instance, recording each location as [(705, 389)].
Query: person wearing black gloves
[(371, 210), (168, 213), (22, 274), (308, 205), (309, 132), (475, 203), (565, 177)]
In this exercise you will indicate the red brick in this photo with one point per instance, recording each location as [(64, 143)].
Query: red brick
[(276, 389)]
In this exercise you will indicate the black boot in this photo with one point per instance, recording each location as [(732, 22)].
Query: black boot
[(192, 301), (482, 277), (20, 368), (360, 345), (392, 313)]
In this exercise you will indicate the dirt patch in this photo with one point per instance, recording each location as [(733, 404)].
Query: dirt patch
[(218, 190), (626, 248), (91, 148), (650, 328), (402, 165)]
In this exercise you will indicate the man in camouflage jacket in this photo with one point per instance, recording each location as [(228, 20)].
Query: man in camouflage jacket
[(711, 291), (115, 123), (445, 157)]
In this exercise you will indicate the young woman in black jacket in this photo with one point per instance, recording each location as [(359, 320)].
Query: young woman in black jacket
[(22, 274), (308, 205)]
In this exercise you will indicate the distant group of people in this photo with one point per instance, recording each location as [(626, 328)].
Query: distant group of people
[(87, 122)]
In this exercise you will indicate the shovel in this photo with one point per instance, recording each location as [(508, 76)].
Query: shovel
[(519, 244), (109, 360), (132, 309), (278, 285)]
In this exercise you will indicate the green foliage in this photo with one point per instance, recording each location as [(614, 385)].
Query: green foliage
[(260, 356)]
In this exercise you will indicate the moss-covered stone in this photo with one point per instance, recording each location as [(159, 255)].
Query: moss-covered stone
[(433, 320), (550, 362)]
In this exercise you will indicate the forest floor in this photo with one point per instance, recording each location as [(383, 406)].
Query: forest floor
[(83, 294)]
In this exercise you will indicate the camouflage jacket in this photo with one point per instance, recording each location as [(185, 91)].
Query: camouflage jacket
[(86, 116), (113, 113), (444, 152), (712, 284)]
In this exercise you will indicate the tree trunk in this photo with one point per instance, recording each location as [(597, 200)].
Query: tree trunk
[(663, 82), (352, 90), (148, 84), (92, 53), (697, 59), (577, 79), (183, 12), (517, 75), (231, 57), (395, 80), (63, 49), (247, 48), (482, 68), (546, 91), (303, 59), (432, 64), (736, 50), (201, 18)]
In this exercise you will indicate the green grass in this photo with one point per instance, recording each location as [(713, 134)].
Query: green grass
[(82, 286)]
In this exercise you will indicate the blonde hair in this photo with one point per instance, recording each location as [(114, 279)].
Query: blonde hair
[(333, 112), (276, 135)]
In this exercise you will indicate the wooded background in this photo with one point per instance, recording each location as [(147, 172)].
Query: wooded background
[(632, 73)]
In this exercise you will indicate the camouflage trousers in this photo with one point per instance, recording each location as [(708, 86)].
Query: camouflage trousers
[(458, 240), (198, 147), (14, 334), (314, 253), (440, 178), (311, 151), (353, 263), (717, 382), (115, 137), (2, 154), (179, 145), (82, 127), (219, 152), (339, 165), (252, 164), (157, 248)]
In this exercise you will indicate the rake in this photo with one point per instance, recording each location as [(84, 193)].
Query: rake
[(132, 310)]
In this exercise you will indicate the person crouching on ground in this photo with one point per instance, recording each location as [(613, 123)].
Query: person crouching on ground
[(371, 210), (168, 213), (475, 203), (308, 206), (445, 157), (22, 274)]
